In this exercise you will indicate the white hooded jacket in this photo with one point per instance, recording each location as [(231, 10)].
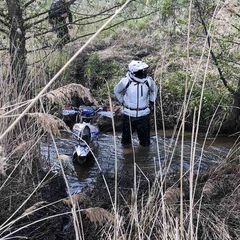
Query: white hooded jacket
[(135, 94)]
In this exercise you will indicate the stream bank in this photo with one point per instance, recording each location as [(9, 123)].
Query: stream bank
[(218, 188)]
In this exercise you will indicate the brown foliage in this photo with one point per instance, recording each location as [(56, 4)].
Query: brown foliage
[(79, 197), (65, 94), (171, 196), (98, 216), (49, 123), (31, 209), (3, 164)]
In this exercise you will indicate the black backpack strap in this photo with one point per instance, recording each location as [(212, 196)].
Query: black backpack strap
[(128, 84), (147, 83), (131, 80)]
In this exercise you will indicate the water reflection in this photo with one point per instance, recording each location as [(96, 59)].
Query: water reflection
[(164, 154)]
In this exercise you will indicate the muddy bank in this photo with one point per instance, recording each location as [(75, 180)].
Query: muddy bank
[(217, 194)]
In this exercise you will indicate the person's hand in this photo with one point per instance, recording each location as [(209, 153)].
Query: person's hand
[(64, 15)]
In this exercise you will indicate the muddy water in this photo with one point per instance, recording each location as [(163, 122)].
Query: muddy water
[(163, 155)]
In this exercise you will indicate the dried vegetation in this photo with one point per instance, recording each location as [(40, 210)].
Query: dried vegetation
[(65, 95), (48, 123)]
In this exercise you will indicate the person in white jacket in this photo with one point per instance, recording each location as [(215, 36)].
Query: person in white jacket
[(137, 93)]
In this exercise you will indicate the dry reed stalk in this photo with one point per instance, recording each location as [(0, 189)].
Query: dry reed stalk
[(98, 216), (30, 210), (74, 199), (214, 226), (63, 95), (2, 111), (49, 123), (3, 164)]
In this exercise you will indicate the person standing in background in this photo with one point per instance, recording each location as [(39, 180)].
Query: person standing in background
[(58, 14)]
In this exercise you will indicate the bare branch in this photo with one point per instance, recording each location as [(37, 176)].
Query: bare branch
[(236, 27), (221, 75), (35, 23), (35, 16), (28, 3)]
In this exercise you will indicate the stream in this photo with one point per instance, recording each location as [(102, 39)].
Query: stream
[(164, 155)]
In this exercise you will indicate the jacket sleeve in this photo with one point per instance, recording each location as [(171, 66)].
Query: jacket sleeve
[(119, 91), (153, 90)]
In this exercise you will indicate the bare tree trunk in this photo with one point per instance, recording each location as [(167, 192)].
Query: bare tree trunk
[(17, 43), (233, 125)]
